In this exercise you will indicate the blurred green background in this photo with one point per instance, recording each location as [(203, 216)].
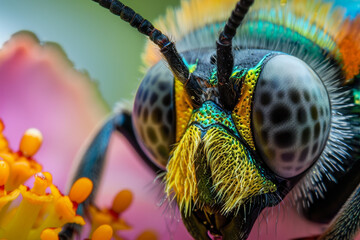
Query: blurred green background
[(95, 40)]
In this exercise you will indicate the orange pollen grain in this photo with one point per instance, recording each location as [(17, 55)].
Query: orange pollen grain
[(122, 201), (104, 232), (80, 190), (31, 142)]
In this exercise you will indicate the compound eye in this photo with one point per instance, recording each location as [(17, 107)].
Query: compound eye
[(154, 114), (291, 115)]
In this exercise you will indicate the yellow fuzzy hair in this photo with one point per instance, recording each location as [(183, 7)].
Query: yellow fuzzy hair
[(235, 179), (319, 22)]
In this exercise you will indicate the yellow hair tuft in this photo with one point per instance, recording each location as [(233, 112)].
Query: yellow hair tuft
[(181, 177)]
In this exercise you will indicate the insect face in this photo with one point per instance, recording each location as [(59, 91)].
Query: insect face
[(224, 160)]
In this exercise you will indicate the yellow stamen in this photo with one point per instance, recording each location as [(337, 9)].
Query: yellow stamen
[(66, 212), (122, 201), (4, 200), (64, 208), (21, 170), (40, 184), (80, 190), (4, 172), (147, 235), (104, 232), (28, 211), (50, 234), (31, 142), (48, 177), (62, 211)]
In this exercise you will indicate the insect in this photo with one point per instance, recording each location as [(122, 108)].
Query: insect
[(243, 109)]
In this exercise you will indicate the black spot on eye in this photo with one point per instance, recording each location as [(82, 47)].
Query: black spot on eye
[(316, 130), (315, 147), (167, 100), (288, 157), (284, 139), (145, 115), (314, 112), (280, 114), (294, 96), (138, 110), (153, 98), (169, 116), (142, 133), (151, 134), (304, 154), (163, 151), (213, 59), (165, 132), (305, 137), (265, 98), (307, 96), (153, 80), (156, 115), (162, 86), (301, 115), (145, 96), (280, 94), (259, 118)]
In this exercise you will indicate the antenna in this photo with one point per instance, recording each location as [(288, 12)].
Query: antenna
[(167, 47), (224, 56)]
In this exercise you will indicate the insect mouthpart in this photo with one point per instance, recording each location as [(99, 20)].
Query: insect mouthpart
[(210, 169)]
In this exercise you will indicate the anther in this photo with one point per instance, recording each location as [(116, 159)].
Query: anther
[(122, 201), (104, 232), (31, 142), (80, 190)]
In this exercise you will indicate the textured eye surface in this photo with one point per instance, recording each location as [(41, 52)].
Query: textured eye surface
[(291, 115), (153, 115)]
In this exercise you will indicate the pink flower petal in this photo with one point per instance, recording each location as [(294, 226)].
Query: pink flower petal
[(39, 88)]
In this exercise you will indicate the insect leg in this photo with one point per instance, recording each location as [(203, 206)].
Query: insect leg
[(93, 161), (347, 221)]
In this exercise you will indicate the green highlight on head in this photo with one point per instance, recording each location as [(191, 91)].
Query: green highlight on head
[(211, 114)]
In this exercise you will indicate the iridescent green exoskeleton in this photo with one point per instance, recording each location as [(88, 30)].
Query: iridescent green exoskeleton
[(232, 118)]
